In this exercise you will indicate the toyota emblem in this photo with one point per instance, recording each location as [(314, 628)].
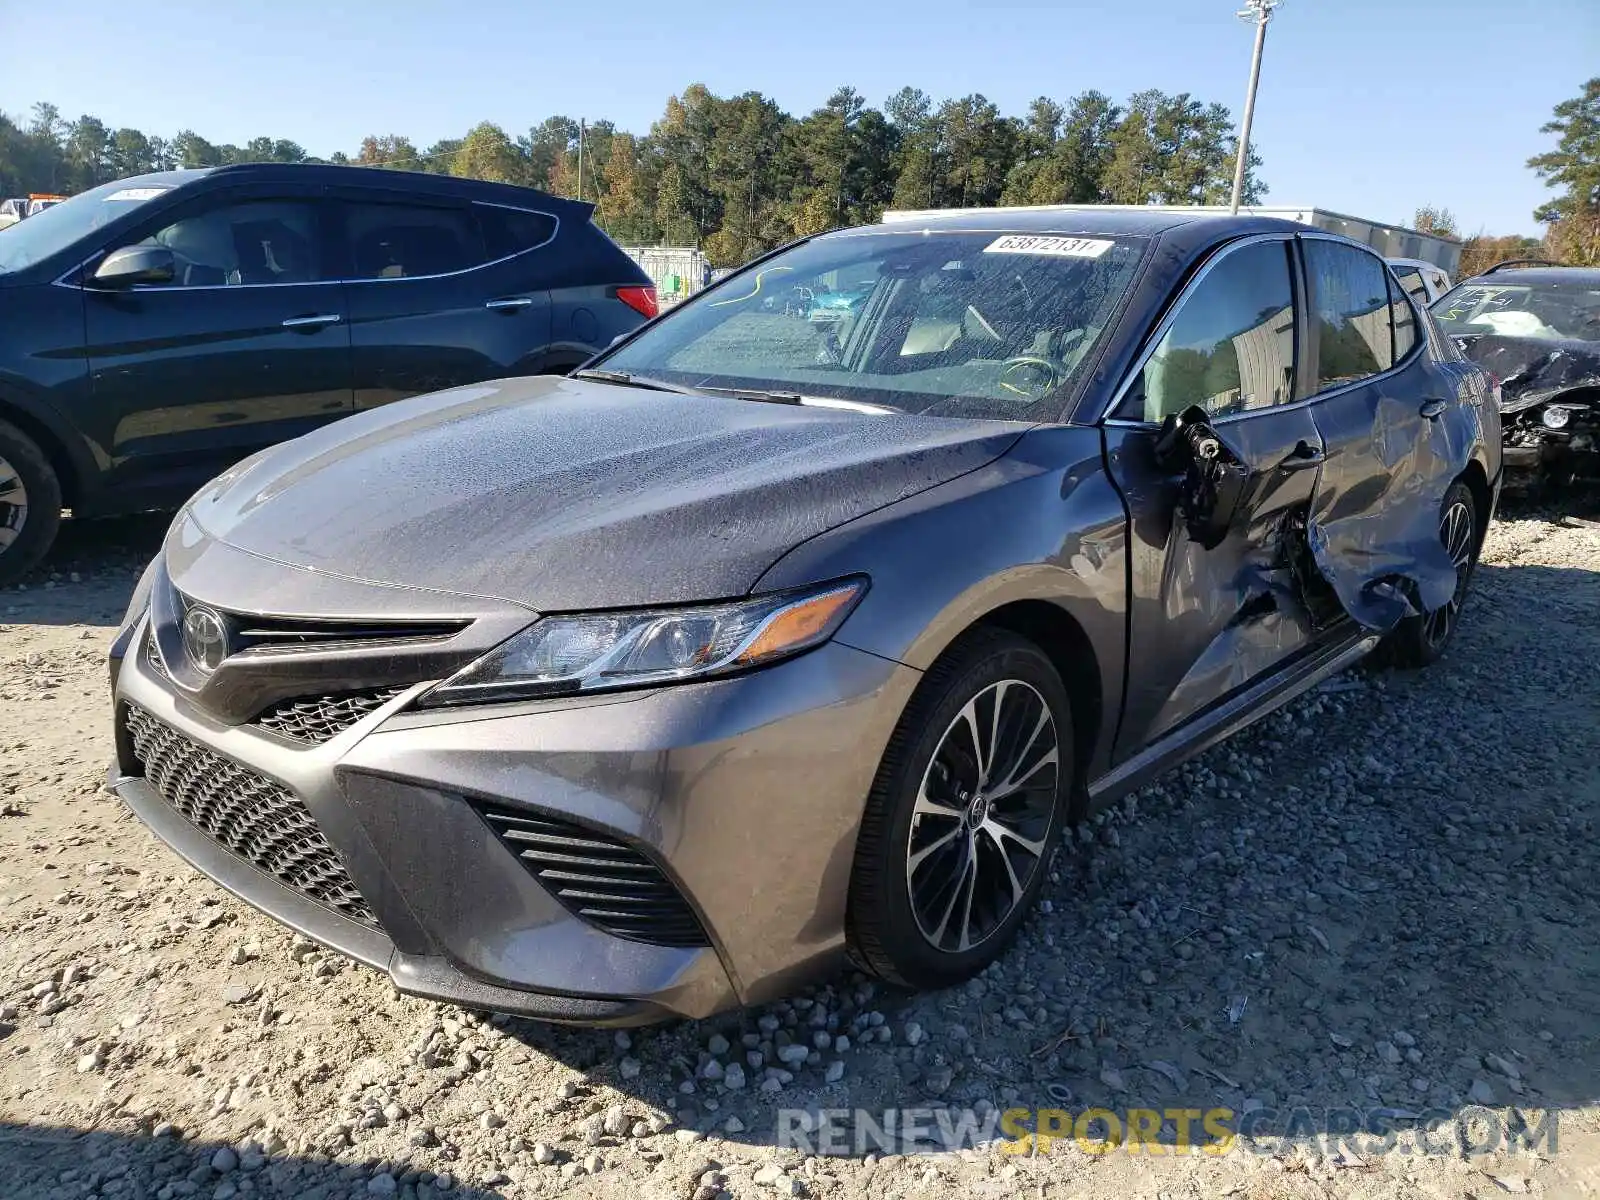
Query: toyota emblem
[(205, 639)]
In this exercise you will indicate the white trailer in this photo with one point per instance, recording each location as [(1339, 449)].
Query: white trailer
[(1391, 241), (677, 271)]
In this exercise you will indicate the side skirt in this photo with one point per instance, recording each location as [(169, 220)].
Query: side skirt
[(1226, 718)]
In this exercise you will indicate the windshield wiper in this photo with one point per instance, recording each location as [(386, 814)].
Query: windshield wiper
[(763, 396), (626, 380)]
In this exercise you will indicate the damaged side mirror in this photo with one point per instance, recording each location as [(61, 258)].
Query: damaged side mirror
[(1215, 481)]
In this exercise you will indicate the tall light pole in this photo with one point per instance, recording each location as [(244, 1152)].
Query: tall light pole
[(1259, 11)]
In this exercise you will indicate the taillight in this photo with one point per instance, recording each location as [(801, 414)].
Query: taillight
[(641, 299)]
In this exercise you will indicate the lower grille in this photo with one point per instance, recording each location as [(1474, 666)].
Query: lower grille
[(316, 719), (599, 879), (258, 820)]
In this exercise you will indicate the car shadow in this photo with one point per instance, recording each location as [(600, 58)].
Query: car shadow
[(89, 574), (46, 1160)]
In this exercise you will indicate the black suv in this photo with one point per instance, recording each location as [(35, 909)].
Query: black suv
[(1536, 327), (160, 328)]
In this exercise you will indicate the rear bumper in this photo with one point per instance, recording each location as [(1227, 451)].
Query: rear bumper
[(747, 792)]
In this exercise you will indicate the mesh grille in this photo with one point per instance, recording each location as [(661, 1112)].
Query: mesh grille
[(258, 820), (315, 719), (605, 882)]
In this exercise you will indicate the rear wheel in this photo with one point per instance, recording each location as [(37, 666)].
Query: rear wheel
[(30, 503), (1419, 641), (961, 820)]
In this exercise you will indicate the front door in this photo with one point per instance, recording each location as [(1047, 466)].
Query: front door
[(247, 345), (1214, 606)]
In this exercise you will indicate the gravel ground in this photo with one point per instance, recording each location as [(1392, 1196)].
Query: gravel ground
[(1381, 897)]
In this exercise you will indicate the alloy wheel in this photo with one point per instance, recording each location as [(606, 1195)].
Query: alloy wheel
[(1456, 532), (13, 505), (982, 816)]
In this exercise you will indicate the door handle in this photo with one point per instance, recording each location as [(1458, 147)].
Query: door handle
[(512, 304), (1432, 408), (311, 324), (1303, 457)]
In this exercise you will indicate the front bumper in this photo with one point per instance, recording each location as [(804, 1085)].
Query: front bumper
[(747, 792)]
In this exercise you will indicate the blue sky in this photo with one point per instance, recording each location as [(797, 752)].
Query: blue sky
[(1366, 107)]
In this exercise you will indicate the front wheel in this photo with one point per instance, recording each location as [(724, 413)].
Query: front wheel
[(1420, 641), (966, 807), (30, 503)]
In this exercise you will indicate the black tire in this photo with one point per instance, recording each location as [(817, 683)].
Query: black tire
[(28, 530), (886, 935), (1420, 641)]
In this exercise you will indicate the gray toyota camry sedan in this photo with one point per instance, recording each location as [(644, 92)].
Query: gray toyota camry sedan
[(766, 642)]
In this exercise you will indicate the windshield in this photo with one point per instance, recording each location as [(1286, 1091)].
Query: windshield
[(983, 325), (1546, 311), (57, 226)]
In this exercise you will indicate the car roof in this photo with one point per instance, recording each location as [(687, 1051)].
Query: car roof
[(1541, 275), (419, 182), (1074, 220), (376, 177)]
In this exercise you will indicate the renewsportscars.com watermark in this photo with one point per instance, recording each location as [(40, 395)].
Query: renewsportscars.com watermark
[(1168, 1131)]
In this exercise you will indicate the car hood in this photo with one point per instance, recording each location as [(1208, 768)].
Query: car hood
[(1533, 370), (564, 494)]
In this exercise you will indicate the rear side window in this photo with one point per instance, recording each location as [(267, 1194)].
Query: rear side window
[(1405, 321), (1350, 308), (508, 231), (402, 241), (1231, 347)]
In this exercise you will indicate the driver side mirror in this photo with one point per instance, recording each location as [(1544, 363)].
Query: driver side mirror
[(135, 264)]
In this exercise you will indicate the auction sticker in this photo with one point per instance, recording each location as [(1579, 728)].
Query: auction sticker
[(137, 194), (1061, 247)]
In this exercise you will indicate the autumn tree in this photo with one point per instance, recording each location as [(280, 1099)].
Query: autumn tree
[(1438, 221), (487, 153)]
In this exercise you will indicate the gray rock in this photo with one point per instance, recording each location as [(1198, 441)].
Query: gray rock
[(225, 1160), (382, 1184), (616, 1121), (543, 1153)]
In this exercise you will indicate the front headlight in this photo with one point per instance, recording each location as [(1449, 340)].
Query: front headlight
[(603, 651), (1556, 417)]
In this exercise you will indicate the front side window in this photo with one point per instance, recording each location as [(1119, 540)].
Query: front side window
[(58, 226), (249, 242), (1412, 281), (1350, 308), (987, 325), (1231, 346), (1546, 311), (403, 241)]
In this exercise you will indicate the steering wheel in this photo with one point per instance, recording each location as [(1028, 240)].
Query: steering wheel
[(1029, 375)]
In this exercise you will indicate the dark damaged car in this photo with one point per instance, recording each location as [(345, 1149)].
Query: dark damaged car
[(755, 646), (1535, 327)]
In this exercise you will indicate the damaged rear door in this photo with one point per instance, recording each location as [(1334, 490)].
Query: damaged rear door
[(1218, 463), (1396, 430)]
